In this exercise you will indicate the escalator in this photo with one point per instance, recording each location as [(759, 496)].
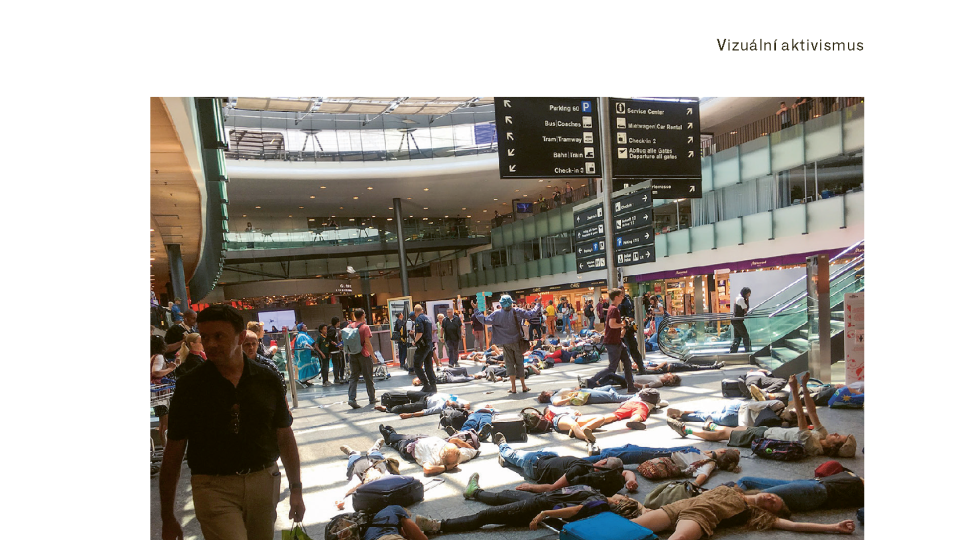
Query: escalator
[(778, 326)]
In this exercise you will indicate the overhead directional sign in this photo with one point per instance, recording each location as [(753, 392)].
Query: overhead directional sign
[(591, 215), (632, 221), (548, 137), (598, 262), (632, 239), (589, 232), (638, 255), (638, 200), (588, 249), (658, 140), (677, 188)]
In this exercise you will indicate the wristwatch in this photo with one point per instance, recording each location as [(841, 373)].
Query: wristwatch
[(296, 485)]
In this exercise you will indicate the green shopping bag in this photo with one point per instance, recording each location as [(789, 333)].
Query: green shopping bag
[(295, 533)]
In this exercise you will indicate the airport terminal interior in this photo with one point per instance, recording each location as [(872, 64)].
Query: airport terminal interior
[(664, 289)]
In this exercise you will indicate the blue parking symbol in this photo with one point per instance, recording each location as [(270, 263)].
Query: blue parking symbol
[(586, 106)]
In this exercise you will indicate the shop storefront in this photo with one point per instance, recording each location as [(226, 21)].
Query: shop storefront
[(576, 294)]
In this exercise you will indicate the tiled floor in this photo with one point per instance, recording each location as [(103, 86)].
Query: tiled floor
[(323, 422)]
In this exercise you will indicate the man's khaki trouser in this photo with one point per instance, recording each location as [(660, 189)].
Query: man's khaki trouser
[(237, 507)]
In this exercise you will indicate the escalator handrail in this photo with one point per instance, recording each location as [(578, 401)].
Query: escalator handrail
[(802, 278), (839, 274)]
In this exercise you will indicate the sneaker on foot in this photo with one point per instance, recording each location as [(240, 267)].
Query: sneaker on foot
[(678, 426), (327, 383), (674, 413), (353, 403), (588, 435), (756, 393), (709, 426), (346, 450), (636, 425), (450, 430), (499, 439), (593, 449), (427, 525), (581, 381), (378, 445), (472, 486), (485, 432)]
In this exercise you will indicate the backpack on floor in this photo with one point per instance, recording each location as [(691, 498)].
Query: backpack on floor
[(468, 436), (534, 421), (348, 526), (777, 450), (453, 417), (392, 399), (587, 358), (820, 392)]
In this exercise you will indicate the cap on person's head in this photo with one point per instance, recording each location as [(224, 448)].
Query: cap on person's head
[(849, 448), (506, 300)]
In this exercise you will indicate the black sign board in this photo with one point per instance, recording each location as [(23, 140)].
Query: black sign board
[(594, 214), (658, 140), (677, 188), (632, 221), (638, 255), (638, 200), (598, 262), (588, 249), (589, 232), (634, 239), (548, 137)]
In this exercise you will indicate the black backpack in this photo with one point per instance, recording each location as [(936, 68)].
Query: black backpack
[(348, 526), (453, 417), (534, 421)]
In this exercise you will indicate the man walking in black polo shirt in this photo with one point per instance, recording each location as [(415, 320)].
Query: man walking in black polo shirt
[(233, 412)]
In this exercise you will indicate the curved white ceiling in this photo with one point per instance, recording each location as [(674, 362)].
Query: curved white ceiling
[(366, 170)]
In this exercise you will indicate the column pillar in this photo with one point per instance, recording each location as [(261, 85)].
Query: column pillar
[(401, 247), (603, 104), (177, 280)]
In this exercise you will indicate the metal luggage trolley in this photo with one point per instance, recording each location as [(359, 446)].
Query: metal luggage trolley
[(159, 395), (380, 372)]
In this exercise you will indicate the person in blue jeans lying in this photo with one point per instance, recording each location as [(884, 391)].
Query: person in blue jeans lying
[(479, 421), (394, 521), (631, 454), (841, 490), (583, 396), (740, 413)]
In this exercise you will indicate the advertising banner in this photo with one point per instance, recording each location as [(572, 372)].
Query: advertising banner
[(853, 318)]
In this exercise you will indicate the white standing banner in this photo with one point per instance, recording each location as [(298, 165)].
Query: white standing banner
[(853, 318)]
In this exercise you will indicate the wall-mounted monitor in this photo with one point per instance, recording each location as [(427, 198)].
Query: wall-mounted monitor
[(524, 207), (286, 317)]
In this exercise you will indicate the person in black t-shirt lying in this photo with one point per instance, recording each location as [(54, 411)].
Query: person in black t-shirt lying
[(519, 508), (841, 490)]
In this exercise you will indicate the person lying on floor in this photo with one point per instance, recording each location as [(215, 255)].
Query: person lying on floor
[(631, 454), (634, 410), (740, 413), (672, 366), (491, 354), (363, 467), (434, 454), (449, 375), (498, 373), (394, 523), (816, 441), (522, 508), (551, 471), (583, 396), (640, 381), (424, 404), (479, 421), (760, 383), (696, 465), (837, 488), (700, 516)]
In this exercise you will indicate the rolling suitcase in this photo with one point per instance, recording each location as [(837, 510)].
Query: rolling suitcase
[(731, 388), (392, 399), (603, 526), (511, 426), (379, 494)]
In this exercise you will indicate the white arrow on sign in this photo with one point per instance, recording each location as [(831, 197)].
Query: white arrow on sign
[(689, 125), (513, 168), (689, 111), (509, 136), (646, 236), (690, 153), (508, 119), (689, 139), (648, 254), (506, 103), (645, 216), (510, 151), (692, 188), (644, 198)]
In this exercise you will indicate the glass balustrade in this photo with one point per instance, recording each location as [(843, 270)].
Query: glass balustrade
[(343, 236)]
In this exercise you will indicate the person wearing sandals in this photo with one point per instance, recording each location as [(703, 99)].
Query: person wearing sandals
[(816, 441), (507, 334)]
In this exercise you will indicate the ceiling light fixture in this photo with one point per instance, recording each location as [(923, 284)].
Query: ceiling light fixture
[(426, 189), (355, 198), (369, 187), (257, 207), (313, 196), (301, 208)]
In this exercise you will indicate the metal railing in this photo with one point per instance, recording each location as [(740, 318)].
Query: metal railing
[(775, 122), (349, 236)]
